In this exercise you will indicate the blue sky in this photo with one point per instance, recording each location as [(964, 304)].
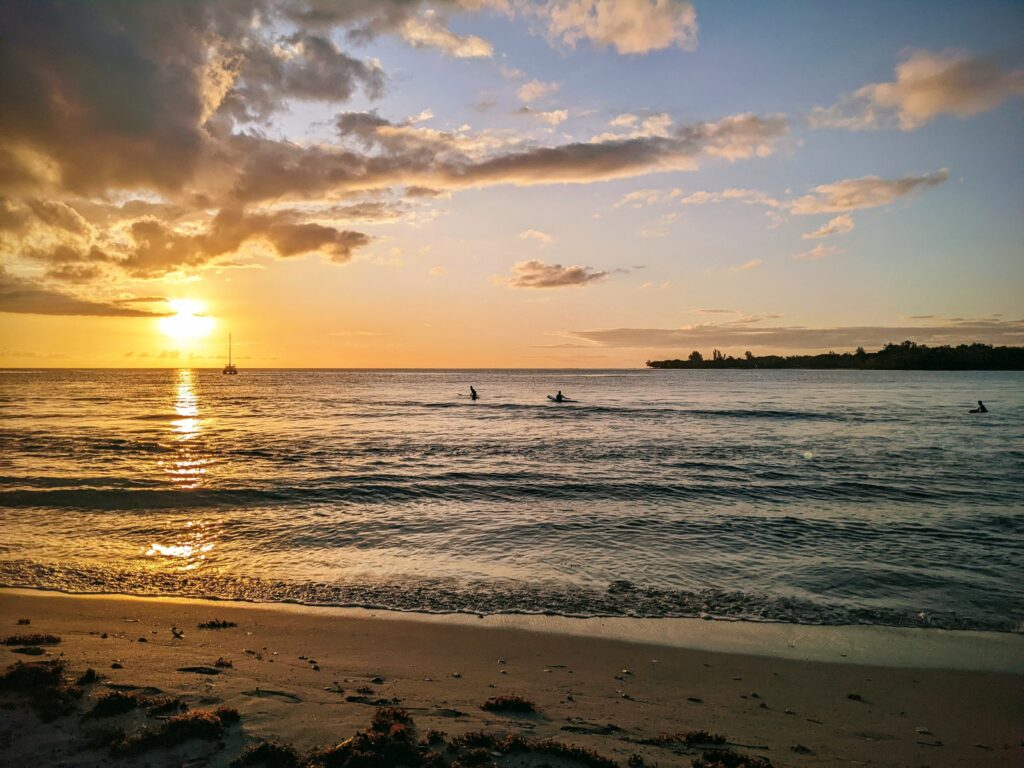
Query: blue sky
[(925, 98)]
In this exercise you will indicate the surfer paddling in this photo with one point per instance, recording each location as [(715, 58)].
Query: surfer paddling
[(980, 409), (472, 393)]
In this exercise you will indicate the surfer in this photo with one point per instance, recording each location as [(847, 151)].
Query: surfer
[(559, 398), (472, 393), (980, 409)]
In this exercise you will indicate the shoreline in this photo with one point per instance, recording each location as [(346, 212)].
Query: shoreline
[(871, 645), (312, 676)]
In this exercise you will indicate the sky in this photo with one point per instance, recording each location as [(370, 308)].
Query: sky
[(502, 183)]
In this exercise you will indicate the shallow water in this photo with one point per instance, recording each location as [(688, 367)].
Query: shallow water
[(805, 496)]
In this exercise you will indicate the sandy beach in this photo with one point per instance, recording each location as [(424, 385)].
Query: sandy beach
[(312, 678)]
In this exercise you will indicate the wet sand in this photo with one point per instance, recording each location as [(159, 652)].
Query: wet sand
[(313, 678)]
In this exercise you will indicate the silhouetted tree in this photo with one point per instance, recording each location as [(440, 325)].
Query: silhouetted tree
[(696, 357)]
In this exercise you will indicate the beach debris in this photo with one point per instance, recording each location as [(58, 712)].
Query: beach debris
[(854, 697), (143, 640), (200, 670), (377, 680), (800, 749), (270, 754), (112, 704), (922, 730), (724, 758), (456, 675), (223, 663), (178, 634), (502, 661), (755, 695), (789, 712), (196, 724), (579, 725), (450, 713), (88, 677), (689, 739), (981, 746), (117, 665), (217, 624), (510, 702), (265, 693), (695, 699), (104, 636), (24, 622), (29, 650), (34, 639), (42, 682)]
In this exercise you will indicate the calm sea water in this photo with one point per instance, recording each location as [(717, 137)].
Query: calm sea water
[(825, 497)]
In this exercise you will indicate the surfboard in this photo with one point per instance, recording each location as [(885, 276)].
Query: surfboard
[(563, 400)]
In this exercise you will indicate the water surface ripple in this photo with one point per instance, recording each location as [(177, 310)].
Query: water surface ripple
[(803, 496)]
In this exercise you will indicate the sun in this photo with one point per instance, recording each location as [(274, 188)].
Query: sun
[(188, 321)]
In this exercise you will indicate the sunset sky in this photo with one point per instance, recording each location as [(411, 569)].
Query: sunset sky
[(577, 183)]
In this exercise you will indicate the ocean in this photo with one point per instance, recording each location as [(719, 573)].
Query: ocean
[(823, 497)]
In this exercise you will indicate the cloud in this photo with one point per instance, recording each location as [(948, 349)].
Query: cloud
[(24, 296), (837, 197), (747, 265), (866, 192), (659, 228), (541, 238), (552, 117), (747, 335), (437, 271), (412, 155), (535, 90), (640, 198), (927, 85), (158, 249), (537, 274), (820, 251), (427, 31), (840, 225), (629, 26)]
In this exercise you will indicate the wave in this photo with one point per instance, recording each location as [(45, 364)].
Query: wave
[(618, 598), (467, 487)]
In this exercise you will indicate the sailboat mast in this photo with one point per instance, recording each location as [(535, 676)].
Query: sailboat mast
[(229, 349)]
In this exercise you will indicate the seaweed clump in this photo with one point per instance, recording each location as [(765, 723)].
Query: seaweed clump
[(196, 724), (724, 758), (42, 682), (271, 754), (390, 740), (217, 624), (510, 703), (514, 743), (689, 739), (36, 638)]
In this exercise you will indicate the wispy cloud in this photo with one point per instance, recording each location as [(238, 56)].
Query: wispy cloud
[(927, 85), (839, 225), (535, 90), (22, 295), (747, 265), (541, 238), (743, 335), (820, 251), (537, 274)]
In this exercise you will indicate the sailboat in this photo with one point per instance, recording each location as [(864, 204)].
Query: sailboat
[(230, 368)]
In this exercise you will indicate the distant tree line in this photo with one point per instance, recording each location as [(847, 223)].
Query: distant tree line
[(907, 356)]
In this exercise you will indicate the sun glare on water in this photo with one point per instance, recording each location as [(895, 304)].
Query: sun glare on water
[(187, 322)]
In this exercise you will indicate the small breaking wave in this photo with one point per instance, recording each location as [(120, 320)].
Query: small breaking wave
[(439, 596)]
